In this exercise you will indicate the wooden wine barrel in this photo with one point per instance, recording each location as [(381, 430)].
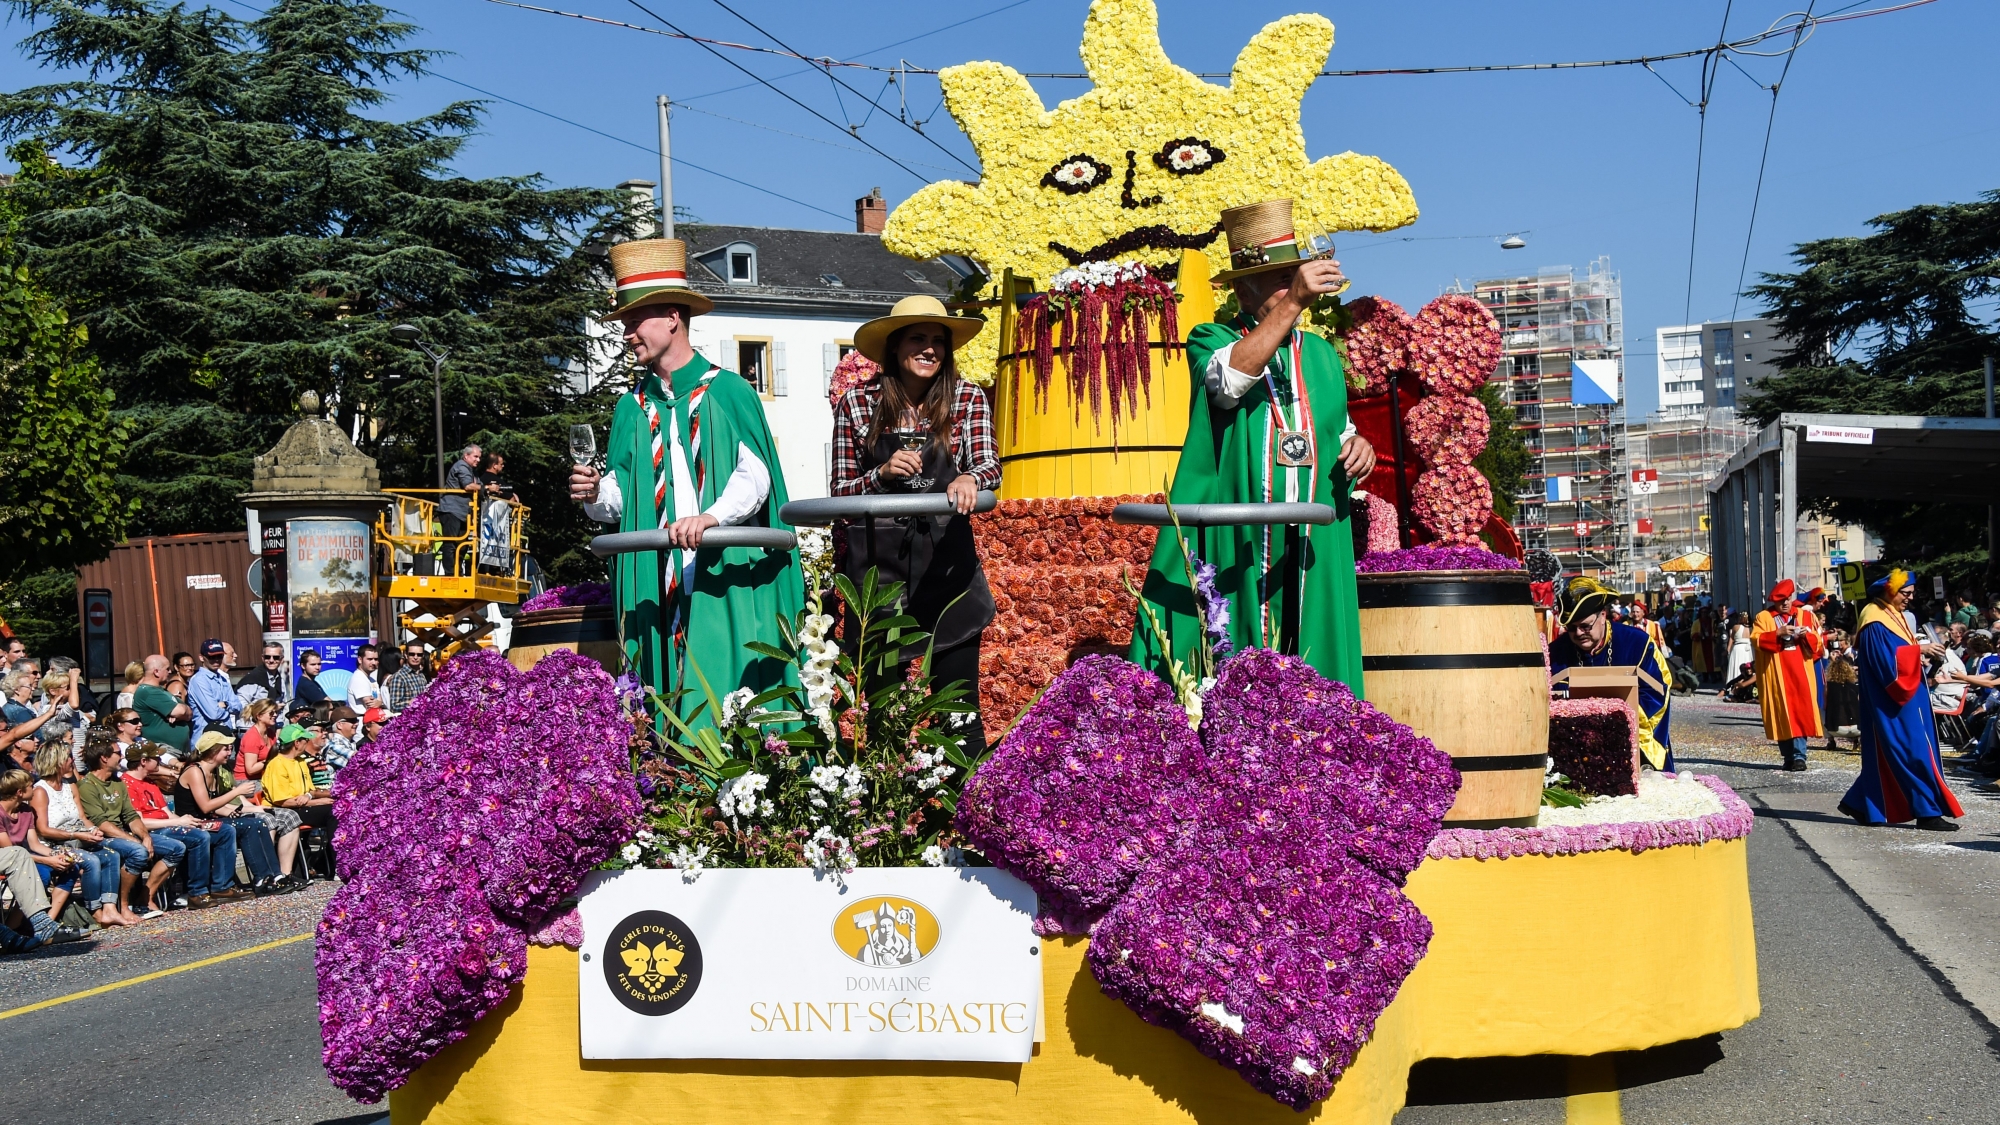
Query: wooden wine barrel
[(1455, 656), (1061, 451), (587, 629)]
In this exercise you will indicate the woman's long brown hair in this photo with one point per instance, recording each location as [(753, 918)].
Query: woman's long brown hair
[(936, 406)]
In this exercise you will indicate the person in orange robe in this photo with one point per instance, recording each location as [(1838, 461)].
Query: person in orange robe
[(1786, 687), (1811, 611)]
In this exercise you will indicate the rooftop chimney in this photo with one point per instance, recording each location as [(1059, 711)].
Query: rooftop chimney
[(870, 212), (639, 201)]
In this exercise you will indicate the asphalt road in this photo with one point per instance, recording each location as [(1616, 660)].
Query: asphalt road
[(1877, 951)]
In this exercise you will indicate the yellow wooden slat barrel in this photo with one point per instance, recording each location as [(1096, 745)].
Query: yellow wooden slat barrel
[(1057, 450), (586, 629), (1455, 656)]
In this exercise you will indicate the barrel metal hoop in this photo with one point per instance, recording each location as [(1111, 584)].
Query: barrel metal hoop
[(1451, 661), (1502, 822), (556, 633), (1011, 457), (1536, 762), (1398, 595)]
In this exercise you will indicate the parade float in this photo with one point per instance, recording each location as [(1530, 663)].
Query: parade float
[(1241, 896)]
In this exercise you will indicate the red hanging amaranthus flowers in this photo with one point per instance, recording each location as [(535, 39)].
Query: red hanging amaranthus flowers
[(1097, 317)]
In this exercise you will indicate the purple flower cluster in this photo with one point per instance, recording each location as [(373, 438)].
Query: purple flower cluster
[(1433, 557), (1732, 823), (557, 597), (1595, 743), (1244, 890), (477, 812)]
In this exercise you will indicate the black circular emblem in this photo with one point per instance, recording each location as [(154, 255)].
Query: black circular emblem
[(652, 963)]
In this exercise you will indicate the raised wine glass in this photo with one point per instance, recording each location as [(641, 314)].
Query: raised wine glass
[(913, 439), (582, 444)]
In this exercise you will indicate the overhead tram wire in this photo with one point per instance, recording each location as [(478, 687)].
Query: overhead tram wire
[(1710, 67), (1740, 46), (679, 160), (1757, 196), (713, 50)]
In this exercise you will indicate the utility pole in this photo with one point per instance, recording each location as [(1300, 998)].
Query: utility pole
[(1992, 524), (666, 174)]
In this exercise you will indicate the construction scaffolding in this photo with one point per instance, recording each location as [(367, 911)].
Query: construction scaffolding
[(1575, 502), (1670, 511)]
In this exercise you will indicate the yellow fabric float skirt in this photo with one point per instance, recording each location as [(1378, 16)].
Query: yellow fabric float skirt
[(1566, 955)]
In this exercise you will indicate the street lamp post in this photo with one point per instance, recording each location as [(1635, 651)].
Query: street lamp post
[(413, 336)]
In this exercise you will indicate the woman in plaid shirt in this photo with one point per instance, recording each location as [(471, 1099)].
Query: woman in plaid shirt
[(918, 427)]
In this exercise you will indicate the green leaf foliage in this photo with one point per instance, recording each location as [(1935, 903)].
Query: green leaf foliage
[(1884, 324), (214, 202)]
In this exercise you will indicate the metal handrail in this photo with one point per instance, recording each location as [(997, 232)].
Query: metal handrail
[(826, 509), (632, 542), (1223, 515)]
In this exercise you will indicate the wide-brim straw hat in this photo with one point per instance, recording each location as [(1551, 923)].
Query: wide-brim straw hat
[(872, 338), (652, 271), (1261, 239)]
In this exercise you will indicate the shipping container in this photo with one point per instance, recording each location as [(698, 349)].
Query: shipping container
[(171, 592)]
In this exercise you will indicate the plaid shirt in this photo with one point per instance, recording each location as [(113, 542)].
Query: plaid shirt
[(399, 690), (973, 447)]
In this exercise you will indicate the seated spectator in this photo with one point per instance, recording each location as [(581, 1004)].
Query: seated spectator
[(108, 804), (288, 783), (163, 716), (255, 747), (135, 672), (198, 792), (60, 822), (55, 871), (210, 845), (307, 689), (23, 683), (371, 726), (85, 700), (270, 675), (1742, 689), (339, 745), (1947, 681), (31, 896)]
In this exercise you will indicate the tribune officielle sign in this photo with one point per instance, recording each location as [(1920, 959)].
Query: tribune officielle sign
[(901, 963)]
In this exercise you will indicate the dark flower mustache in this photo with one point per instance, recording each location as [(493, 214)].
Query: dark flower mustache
[(1156, 237)]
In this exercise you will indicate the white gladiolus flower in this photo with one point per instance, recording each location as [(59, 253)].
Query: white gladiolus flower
[(734, 706)]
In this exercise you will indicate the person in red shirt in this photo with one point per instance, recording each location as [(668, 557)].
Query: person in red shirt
[(211, 844)]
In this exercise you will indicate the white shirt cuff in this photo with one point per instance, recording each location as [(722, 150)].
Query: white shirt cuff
[(610, 503), (749, 486)]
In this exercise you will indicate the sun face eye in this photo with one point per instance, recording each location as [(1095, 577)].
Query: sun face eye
[(1189, 156), (1077, 174)]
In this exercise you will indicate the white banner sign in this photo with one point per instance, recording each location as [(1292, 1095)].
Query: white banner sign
[(1842, 435), (903, 963)]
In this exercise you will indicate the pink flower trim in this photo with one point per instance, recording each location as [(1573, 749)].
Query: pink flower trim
[(1732, 823), (1379, 343), (560, 929)]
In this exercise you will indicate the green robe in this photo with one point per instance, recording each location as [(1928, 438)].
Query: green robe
[(737, 593), (1224, 461)]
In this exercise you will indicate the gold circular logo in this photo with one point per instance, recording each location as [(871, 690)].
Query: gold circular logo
[(886, 932), (652, 963)]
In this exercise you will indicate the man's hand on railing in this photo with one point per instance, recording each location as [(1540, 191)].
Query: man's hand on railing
[(583, 484), (687, 531)]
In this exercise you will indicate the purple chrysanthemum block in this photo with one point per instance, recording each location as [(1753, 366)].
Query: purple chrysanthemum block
[(1273, 716), (1431, 556), (1264, 945), (1085, 791), (479, 809)]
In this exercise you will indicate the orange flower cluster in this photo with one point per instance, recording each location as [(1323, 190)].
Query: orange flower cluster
[(1053, 565)]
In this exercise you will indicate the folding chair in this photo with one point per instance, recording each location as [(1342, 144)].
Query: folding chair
[(1951, 727)]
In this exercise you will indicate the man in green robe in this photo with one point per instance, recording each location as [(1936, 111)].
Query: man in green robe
[(1268, 424), (689, 450)]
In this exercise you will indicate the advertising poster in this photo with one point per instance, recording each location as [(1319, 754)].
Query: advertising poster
[(937, 964), (326, 576)]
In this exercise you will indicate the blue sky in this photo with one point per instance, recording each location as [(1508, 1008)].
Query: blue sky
[(1876, 114)]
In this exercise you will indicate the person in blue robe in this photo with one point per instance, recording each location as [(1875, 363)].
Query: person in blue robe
[(1901, 775), (1590, 638)]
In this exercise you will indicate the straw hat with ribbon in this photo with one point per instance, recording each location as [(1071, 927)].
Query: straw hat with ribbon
[(1261, 238), (872, 338), (652, 271)]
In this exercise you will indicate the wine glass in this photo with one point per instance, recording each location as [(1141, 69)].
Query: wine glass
[(913, 439), (582, 444)]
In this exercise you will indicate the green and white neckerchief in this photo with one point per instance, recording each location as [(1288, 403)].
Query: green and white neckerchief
[(663, 464)]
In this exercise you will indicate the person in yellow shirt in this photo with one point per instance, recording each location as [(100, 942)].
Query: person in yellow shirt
[(288, 783)]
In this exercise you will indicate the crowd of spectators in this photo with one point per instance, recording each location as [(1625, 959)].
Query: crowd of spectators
[(198, 784)]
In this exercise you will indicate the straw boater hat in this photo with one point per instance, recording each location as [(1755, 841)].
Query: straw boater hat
[(873, 337), (1261, 238), (652, 271)]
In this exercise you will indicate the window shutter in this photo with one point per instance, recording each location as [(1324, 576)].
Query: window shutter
[(778, 368), (829, 358)]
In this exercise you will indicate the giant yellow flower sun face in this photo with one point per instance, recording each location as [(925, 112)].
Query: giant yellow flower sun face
[(1141, 165)]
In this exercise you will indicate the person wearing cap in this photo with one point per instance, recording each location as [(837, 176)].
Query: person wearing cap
[(1786, 690), (920, 401), (107, 803), (210, 694), (1589, 638), (1902, 778), (200, 791), (1271, 427), (339, 747), (208, 846), (289, 786), (689, 450)]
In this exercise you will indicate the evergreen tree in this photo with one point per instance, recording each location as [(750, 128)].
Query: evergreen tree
[(234, 229), (1882, 324)]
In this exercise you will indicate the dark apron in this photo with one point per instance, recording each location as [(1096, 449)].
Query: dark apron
[(933, 556)]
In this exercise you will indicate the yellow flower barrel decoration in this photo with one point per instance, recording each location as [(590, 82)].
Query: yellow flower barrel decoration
[(1140, 166)]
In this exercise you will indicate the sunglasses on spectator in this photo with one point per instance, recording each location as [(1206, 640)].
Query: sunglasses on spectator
[(129, 723), (273, 659)]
